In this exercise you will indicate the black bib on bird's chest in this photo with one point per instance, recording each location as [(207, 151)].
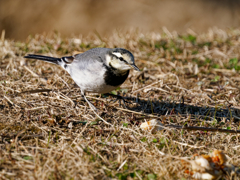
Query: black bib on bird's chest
[(114, 79)]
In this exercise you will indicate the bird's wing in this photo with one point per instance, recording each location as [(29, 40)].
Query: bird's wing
[(90, 55)]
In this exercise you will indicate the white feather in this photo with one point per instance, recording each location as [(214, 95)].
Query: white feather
[(117, 54), (91, 79)]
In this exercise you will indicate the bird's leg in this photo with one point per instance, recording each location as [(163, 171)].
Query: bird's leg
[(119, 98), (89, 103)]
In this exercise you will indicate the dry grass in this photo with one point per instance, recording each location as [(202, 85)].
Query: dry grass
[(49, 132)]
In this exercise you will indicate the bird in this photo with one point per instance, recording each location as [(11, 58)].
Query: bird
[(98, 70)]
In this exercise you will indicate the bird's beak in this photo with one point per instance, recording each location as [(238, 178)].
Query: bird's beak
[(135, 67)]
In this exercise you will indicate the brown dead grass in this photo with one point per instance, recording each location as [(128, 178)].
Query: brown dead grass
[(49, 132)]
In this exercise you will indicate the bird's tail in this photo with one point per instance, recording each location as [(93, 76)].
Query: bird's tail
[(44, 58)]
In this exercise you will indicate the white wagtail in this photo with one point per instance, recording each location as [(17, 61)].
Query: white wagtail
[(98, 70)]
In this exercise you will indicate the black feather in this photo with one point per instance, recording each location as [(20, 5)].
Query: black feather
[(112, 78), (44, 58)]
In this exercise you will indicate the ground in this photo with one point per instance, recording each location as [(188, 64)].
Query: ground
[(187, 80)]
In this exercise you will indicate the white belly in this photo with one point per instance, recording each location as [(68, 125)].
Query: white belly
[(92, 81)]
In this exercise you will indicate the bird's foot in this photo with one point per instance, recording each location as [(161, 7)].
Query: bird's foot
[(119, 98)]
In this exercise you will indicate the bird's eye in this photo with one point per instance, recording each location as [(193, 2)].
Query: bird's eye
[(121, 59)]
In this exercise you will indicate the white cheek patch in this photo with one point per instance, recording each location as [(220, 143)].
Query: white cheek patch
[(120, 66), (116, 64), (117, 54)]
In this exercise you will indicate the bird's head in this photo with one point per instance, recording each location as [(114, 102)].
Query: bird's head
[(120, 59)]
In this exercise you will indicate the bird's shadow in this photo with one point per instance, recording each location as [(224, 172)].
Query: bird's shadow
[(159, 108), (168, 107)]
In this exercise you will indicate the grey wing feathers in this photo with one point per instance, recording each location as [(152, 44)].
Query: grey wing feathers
[(88, 56), (92, 54)]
